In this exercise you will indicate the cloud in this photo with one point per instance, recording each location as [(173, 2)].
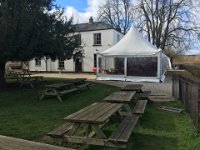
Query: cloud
[(81, 17)]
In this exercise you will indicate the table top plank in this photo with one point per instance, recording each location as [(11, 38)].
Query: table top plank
[(89, 113), (106, 110), (120, 96), (109, 112), (132, 87), (57, 85), (96, 113), (82, 111)]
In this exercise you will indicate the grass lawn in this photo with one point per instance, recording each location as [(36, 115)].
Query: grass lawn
[(24, 116)]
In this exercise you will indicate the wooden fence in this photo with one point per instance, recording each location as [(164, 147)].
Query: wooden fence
[(187, 91), (194, 69)]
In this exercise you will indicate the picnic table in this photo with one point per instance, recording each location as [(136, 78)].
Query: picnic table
[(31, 80), (123, 97), (93, 117), (133, 87), (79, 83), (58, 90)]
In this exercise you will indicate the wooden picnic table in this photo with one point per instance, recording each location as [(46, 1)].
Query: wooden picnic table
[(79, 83), (123, 97), (133, 87), (93, 117), (31, 80), (58, 90)]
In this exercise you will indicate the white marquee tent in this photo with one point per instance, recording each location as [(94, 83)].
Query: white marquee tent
[(133, 58)]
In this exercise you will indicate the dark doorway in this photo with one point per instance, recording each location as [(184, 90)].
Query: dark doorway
[(78, 65)]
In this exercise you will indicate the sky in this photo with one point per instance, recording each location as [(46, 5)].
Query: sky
[(82, 10)]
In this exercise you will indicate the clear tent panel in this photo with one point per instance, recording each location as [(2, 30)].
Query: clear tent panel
[(111, 65), (142, 66)]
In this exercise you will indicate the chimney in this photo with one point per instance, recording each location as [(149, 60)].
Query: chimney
[(118, 28), (91, 20)]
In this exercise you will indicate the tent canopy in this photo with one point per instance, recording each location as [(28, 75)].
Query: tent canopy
[(132, 44), (133, 58)]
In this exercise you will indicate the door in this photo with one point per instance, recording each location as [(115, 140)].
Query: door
[(78, 65)]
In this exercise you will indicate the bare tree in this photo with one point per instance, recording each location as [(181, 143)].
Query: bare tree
[(168, 24), (117, 13)]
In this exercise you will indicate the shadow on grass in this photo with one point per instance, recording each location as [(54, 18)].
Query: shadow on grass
[(140, 141)]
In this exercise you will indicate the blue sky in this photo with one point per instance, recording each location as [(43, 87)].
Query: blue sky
[(80, 10), (79, 5)]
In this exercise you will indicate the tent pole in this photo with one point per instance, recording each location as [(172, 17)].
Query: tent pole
[(159, 65), (125, 67)]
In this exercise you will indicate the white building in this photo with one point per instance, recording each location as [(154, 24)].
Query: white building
[(94, 37)]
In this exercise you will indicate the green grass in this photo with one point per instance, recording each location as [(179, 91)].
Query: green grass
[(24, 116), (161, 130)]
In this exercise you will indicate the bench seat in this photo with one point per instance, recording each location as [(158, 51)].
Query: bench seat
[(68, 91), (60, 131), (140, 107), (84, 85), (125, 129)]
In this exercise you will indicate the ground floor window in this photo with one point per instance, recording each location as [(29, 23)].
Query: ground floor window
[(61, 64), (38, 62)]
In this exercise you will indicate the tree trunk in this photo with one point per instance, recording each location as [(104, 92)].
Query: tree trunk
[(2, 75)]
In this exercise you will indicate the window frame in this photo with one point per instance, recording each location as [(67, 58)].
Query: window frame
[(61, 64), (78, 39), (38, 62), (97, 39)]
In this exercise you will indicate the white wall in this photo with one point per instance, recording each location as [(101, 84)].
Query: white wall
[(108, 39), (33, 67)]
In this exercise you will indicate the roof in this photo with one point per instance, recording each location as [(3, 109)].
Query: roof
[(83, 27), (133, 43)]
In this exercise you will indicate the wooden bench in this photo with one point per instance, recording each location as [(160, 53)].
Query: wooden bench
[(32, 81), (81, 86), (140, 107), (144, 95), (60, 131), (67, 91), (125, 129)]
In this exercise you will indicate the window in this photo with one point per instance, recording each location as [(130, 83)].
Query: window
[(143, 66), (97, 39), (37, 62), (118, 37), (61, 64), (95, 60), (78, 39)]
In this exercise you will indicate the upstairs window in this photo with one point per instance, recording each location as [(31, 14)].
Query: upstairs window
[(38, 62), (97, 39), (78, 39), (61, 64), (118, 37)]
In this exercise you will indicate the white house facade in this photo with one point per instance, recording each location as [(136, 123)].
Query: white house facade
[(94, 37)]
